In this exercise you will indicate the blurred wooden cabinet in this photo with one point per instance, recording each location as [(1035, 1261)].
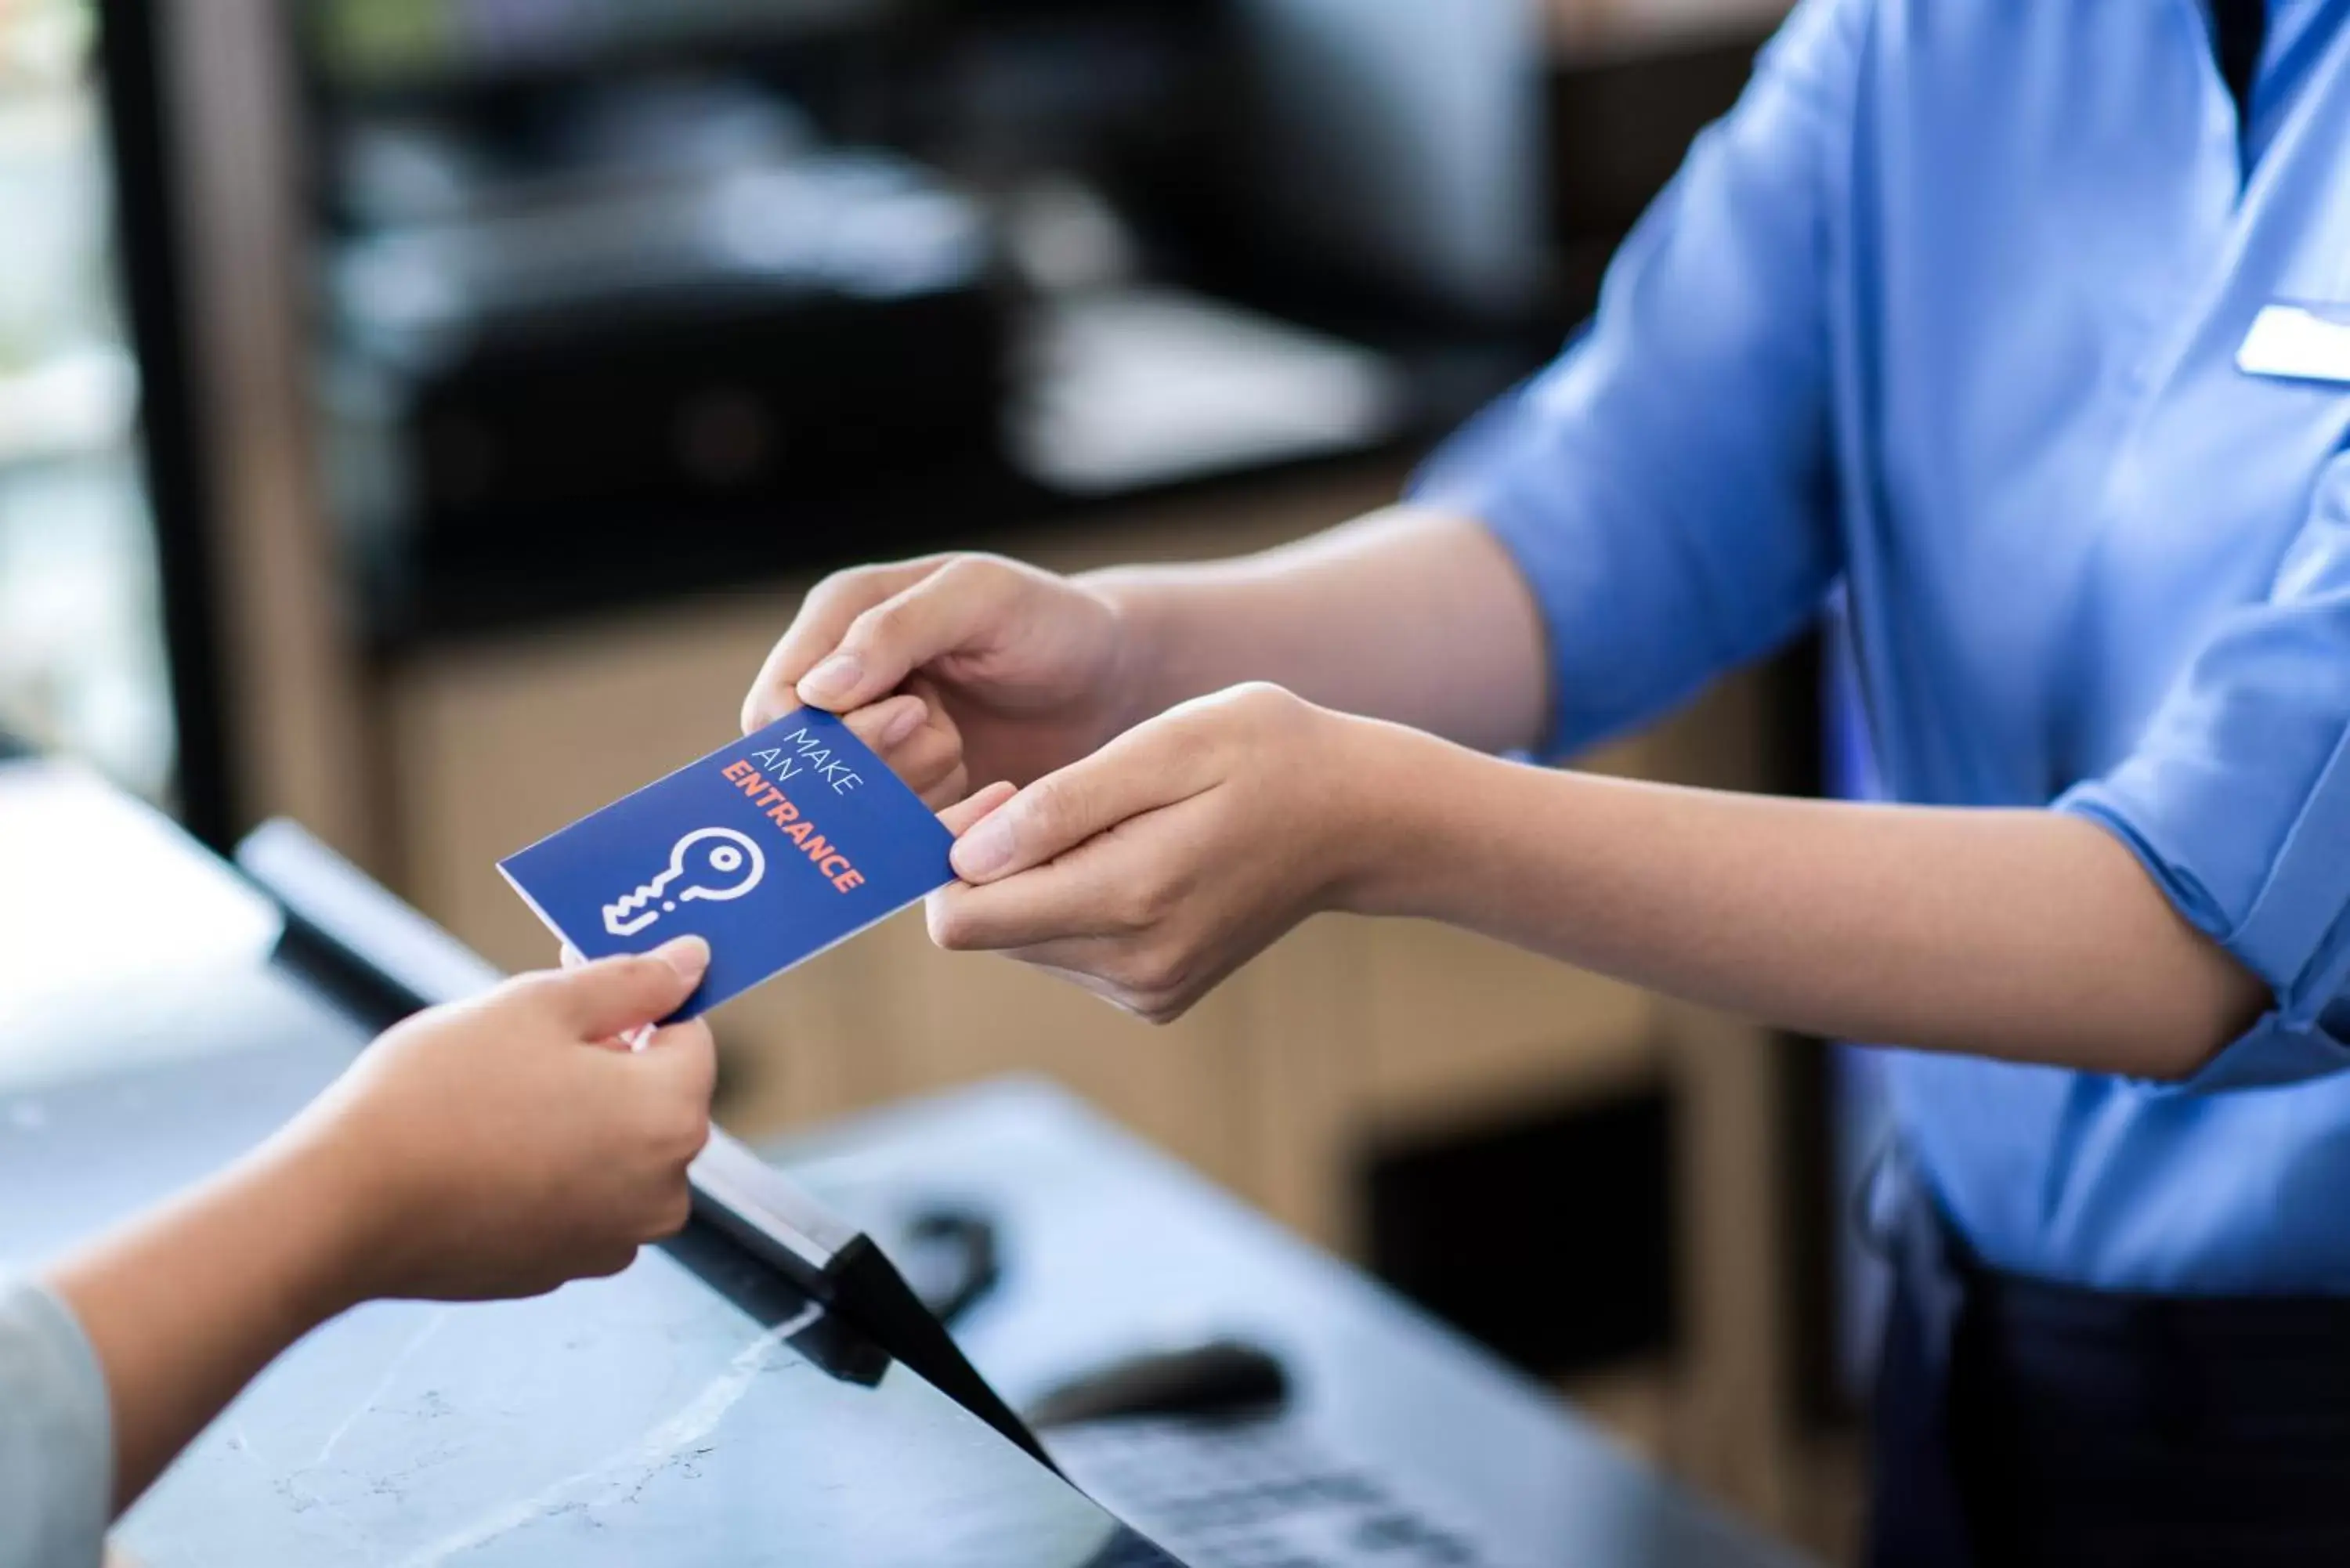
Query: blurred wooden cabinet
[(1347, 1033), (1583, 29)]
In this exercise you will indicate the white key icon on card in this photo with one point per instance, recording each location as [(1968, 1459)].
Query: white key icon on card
[(722, 864)]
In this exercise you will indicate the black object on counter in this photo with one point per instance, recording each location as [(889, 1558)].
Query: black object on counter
[(1215, 1377)]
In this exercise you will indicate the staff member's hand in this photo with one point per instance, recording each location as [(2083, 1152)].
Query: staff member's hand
[(956, 669), (1153, 869)]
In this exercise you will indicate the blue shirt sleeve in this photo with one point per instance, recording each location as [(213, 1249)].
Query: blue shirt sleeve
[(57, 1436), (2237, 799), (1667, 487)]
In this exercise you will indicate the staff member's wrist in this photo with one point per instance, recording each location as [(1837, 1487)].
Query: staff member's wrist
[(1382, 814), (1146, 656), (1418, 812)]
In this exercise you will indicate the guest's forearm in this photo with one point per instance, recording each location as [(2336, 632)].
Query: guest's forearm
[(188, 1305)]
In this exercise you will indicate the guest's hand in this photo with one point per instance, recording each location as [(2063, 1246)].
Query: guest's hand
[(500, 1147)]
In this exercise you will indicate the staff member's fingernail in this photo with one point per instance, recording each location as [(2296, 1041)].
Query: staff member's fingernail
[(902, 726), (833, 680), (690, 956), (984, 850)]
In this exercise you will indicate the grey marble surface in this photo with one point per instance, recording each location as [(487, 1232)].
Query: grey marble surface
[(640, 1420)]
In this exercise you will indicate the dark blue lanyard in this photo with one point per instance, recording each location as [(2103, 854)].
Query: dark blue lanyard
[(2239, 28)]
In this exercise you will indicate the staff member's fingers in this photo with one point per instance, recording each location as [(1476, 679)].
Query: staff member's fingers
[(1092, 985), (951, 609), (914, 733), (1142, 769), (1086, 896), (817, 629), (1136, 996), (959, 818), (889, 723)]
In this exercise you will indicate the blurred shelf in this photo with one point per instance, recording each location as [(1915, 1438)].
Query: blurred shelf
[(1079, 413), (413, 53)]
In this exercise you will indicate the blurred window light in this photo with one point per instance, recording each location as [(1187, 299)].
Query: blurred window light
[(82, 660)]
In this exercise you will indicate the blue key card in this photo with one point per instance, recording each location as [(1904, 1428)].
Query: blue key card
[(774, 848)]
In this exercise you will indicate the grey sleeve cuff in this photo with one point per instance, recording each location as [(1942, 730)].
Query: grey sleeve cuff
[(57, 1436)]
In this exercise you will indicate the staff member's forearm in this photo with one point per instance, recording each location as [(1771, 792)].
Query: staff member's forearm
[(189, 1305), (2028, 935), (1410, 615)]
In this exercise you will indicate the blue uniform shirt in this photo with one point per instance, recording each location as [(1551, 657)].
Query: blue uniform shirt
[(1946, 311)]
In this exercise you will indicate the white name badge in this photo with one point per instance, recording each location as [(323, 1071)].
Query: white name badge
[(2299, 342)]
